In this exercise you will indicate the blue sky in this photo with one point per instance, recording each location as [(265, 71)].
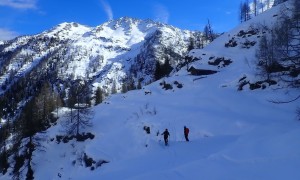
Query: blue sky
[(27, 17)]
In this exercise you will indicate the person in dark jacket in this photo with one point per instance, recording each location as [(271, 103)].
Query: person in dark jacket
[(186, 133), (166, 136)]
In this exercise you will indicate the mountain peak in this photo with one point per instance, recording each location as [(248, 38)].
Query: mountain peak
[(68, 30), (127, 19), (128, 22)]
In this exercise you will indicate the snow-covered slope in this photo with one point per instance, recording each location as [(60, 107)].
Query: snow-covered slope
[(233, 134)]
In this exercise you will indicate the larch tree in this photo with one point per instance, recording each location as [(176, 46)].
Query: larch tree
[(81, 114)]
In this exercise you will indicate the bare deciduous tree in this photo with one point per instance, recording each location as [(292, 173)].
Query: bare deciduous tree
[(80, 114)]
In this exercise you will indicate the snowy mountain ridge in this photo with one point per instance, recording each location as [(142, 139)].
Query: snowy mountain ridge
[(85, 52)]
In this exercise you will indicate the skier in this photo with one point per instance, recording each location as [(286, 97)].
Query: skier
[(166, 135), (186, 133)]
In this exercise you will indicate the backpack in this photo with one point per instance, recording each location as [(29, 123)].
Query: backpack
[(187, 130)]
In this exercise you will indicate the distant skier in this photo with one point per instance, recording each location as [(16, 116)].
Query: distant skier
[(186, 133), (166, 136)]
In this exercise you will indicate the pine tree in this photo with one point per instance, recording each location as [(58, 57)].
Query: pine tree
[(124, 87), (45, 104), (158, 71), (114, 87), (167, 68), (98, 96), (26, 139), (139, 86), (4, 164), (191, 44), (131, 83)]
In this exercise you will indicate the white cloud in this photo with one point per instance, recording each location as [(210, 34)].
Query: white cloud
[(161, 13), (6, 34), (107, 9), (19, 4)]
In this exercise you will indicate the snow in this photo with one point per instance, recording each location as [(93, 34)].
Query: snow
[(233, 134), (74, 30), (115, 41), (237, 135)]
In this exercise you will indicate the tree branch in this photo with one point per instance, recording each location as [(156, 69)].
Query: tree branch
[(285, 102)]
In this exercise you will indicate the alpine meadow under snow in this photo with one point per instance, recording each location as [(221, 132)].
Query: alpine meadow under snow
[(234, 134)]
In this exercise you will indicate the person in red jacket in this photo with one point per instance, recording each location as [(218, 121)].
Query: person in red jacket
[(186, 133)]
